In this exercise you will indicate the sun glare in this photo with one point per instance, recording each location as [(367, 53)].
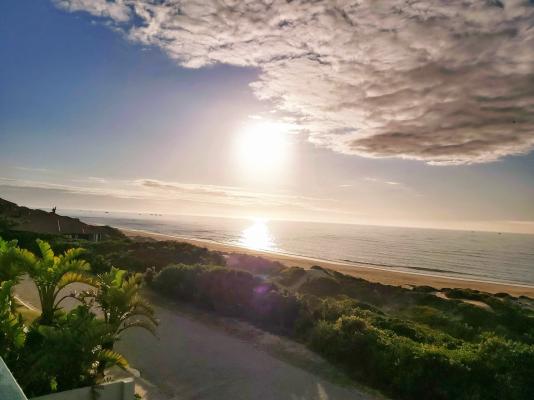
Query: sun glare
[(262, 146), (257, 236)]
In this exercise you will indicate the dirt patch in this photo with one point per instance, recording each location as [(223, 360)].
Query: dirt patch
[(476, 303)]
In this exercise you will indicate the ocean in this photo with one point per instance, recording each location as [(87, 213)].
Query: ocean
[(485, 256)]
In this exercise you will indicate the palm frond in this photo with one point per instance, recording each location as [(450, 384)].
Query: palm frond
[(26, 258), (142, 307), (75, 277), (13, 260), (72, 254), (111, 358), (46, 251), (118, 276), (72, 265), (139, 323)]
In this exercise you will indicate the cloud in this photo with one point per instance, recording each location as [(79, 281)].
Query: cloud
[(376, 180), (229, 195), (31, 169), (152, 189), (116, 10), (83, 189), (439, 81)]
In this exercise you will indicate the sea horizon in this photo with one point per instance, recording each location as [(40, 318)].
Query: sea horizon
[(458, 254), (78, 213)]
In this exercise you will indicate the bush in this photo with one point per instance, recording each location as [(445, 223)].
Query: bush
[(276, 310), (290, 276), (410, 344), (138, 256), (321, 286), (253, 264), (494, 369), (178, 281), (64, 356), (12, 333), (59, 350), (230, 292)]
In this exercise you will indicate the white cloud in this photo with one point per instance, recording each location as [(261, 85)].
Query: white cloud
[(151, 189), (440, 81), (376, 180), (369, 179), (31, 169), (117, 10)]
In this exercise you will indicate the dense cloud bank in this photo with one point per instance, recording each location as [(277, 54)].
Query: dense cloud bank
[(447, 82)]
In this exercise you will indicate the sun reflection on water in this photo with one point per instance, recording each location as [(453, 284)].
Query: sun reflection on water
[(257, 236)]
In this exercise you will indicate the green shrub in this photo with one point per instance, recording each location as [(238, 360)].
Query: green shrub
[(495, 369), (12, 330), (59, 350), (178, 281), (253, 264), (440, 321), (290, 276), (321, 286), (138, 256), (410, 344), (67, 355)]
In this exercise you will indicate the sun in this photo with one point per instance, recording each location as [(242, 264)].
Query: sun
[(262, 146)]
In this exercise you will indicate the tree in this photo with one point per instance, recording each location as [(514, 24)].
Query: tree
[(121, 304), (52, 273)]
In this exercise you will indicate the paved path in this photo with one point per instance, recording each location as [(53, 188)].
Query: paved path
[(195, 360), (197, 357)]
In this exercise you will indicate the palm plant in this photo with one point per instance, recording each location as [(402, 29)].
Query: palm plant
[(71, 354), (12, 334), (13, 260), (121, 303), (53, 273)]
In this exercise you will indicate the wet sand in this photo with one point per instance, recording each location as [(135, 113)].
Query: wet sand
[(370, 273)]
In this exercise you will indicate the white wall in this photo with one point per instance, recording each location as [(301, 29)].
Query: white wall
[(123, 389)]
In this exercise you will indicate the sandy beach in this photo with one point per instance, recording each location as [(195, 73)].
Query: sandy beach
[(370, 273)]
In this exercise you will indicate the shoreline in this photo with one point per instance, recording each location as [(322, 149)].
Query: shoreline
[(370, 273)]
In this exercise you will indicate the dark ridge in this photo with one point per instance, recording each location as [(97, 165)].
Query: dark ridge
[(17, 218)]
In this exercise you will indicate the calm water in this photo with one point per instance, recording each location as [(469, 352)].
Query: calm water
[(476, 255)]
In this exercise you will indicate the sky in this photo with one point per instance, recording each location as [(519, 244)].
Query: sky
[(371, 112)]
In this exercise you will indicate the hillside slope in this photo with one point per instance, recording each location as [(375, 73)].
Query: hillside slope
[(20, 218)]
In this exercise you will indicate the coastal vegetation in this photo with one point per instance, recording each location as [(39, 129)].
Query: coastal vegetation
[(64, 349), (52, 273), (410, 343)]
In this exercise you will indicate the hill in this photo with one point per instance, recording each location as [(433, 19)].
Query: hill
[(19, 218)]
